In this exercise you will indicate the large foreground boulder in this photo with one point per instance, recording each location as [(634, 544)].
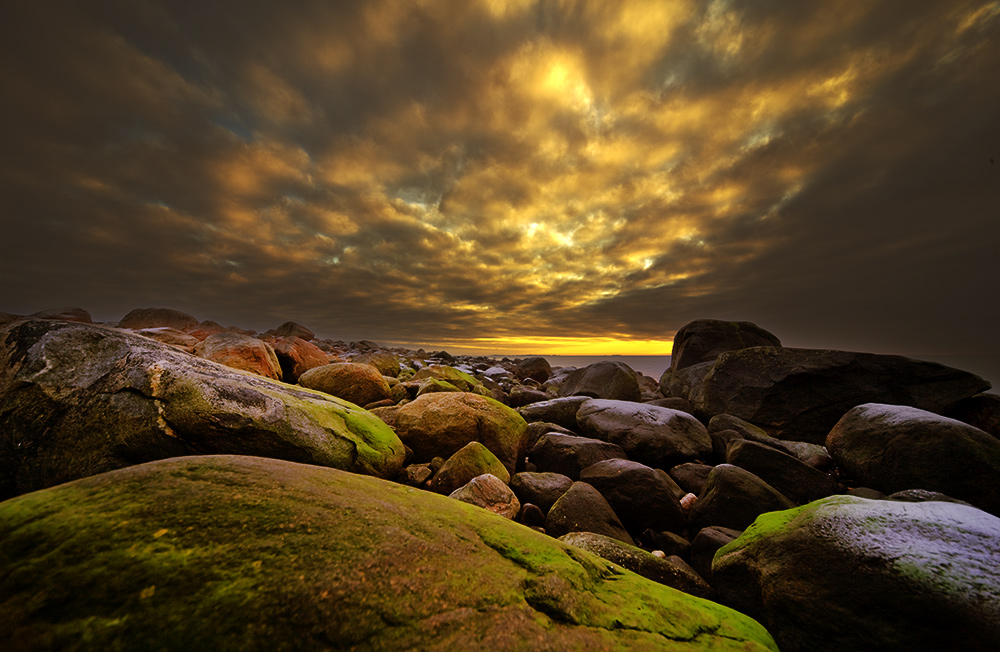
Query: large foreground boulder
[(893, 448), (800, 394), (237, 553), (77, 400), (847, 573)]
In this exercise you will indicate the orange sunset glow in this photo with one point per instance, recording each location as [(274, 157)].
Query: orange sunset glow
[(576, 178)]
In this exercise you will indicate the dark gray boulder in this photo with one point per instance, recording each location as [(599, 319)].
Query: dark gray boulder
[(847, 573), (605, 379), (703, 340), (541, 489), (812, 454), (677, 383), (583, 509), (154, 317), (536, 368), (981, 411), (892, 448), (656, 436), (569, 455), (672, 572), (78, 399), (799, 394), (793, 478), (561, 411), (691, 476), (641, 497), (733, 498)]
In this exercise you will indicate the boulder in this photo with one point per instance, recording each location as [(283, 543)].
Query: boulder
[(605, 379), (387, 363), (541, 489), (655, 436), (703, 340), (677, 383), (171, 336), (360, 384), (706, 543), (490, 493), (297, 356), (799, 394), (561, 411), (691, 476), (77, 400), (671, 572), (733, 498), (240, 352), (674, 403), (641, 497), (206, 328), (238, 553), (155, 317), (812, 454), (521, 396), (795, 479), (981, 411), (441, 423), (891, 448), (569, 455), (64, 314), (847, 573), (291, 329), (583, 509), (451, 375), (536, 368), (470, 461), (669, 543)]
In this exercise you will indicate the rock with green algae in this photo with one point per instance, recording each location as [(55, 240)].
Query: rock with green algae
[(451, 375), (470, 461), (78, 399), (240, 553), (847, 573)]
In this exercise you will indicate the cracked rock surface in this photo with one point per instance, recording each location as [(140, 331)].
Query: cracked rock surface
[(79, 399), (227, 552)]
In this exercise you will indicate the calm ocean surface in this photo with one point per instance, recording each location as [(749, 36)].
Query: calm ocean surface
[(984, 366)]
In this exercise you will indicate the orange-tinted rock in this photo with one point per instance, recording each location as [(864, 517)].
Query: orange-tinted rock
[(291, 329), (155, 317), (171, 336), (297, 356), (241, 352), (360, 384)]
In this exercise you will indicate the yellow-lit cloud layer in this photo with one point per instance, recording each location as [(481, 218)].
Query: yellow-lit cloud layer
[(505, 175)]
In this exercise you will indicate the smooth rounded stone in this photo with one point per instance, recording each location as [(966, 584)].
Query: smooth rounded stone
[(171, 336), (670, 572), (521, 396), (241, 352), (155, 317), (847, 573), (605, 379), (569, 455), (641, 497), (205, 328), (706, 543), (537, 368), (691, 476), (922, 495), (812, 454), (720, 442), (238, 553), (430, 386), (733, 498), (655, 436), (360, 384), (297, 356), (583, 509), (415, 475), (63, 314), (388, 364), (538, 428), (441, 423), (292, 329), (703, 340), (796, 480), (541, 489), (800, 394), (456, 377), (490, 493), (674, 403), (981, 411), (561, 411), (78, 399), (678, 383), (531, 515), (892, 448), (468, 462), (670, 543)]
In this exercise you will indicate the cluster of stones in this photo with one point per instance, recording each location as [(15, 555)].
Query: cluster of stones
[(787, 484)]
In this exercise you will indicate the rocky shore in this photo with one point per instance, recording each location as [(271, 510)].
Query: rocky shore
[(169, 483)]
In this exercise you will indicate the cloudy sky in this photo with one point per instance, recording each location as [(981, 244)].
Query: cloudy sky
[(510, 175)]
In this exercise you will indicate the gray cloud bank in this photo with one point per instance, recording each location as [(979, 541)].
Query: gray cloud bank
[(442, 171)]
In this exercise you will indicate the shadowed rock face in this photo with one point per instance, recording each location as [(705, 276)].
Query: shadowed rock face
[(704, 339), (847, 573), (238, 553), (77, 400)]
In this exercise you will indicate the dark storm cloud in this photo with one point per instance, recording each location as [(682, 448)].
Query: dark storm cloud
[(442, 171)]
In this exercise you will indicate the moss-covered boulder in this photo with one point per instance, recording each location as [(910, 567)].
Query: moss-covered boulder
[(78, 399), (360, 384), (847, 573), (440, 423), (238, 553), (470, 461), (456, 377)]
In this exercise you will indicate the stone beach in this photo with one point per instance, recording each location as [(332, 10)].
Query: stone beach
[(169, 483)]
